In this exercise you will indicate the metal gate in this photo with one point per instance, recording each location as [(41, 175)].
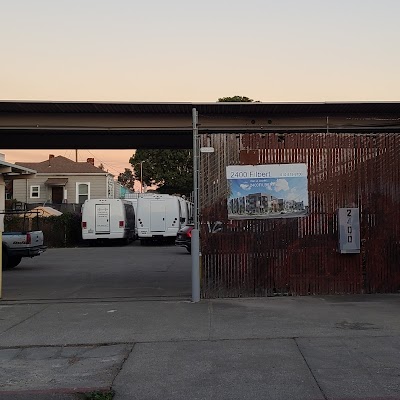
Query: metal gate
[(299, 256)]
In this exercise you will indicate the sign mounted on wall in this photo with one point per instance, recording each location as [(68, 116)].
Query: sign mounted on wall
[(349, 230), (267, 191)]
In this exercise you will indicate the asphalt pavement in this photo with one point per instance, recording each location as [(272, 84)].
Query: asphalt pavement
[(57, 343), (107, 272)]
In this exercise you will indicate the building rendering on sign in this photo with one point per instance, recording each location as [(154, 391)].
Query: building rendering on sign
[(263, 203)]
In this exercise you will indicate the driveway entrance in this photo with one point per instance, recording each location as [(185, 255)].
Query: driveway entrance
[(107, 273)]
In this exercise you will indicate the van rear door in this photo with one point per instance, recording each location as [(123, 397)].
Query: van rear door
[(102, 218), (157, 216)]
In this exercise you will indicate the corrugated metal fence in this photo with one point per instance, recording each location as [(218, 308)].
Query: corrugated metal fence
[(299, 256)]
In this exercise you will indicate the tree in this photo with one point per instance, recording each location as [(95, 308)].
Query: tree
[(170, 170), (127, 179), (235, 99)]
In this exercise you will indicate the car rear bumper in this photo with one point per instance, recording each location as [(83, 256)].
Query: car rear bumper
[(182, 242), (27, 252)]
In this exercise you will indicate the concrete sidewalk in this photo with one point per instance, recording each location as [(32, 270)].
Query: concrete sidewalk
[(335, 347)]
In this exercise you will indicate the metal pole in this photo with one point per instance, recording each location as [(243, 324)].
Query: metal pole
[(195, 241), (141, 177), (1, 265), (2, 210)]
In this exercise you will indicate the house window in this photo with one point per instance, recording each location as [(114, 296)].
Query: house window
[(82, 192), (35, 192)]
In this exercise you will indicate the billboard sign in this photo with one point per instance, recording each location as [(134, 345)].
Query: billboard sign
[(267, 191)]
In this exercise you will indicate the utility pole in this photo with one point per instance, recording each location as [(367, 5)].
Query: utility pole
[(76, 155)]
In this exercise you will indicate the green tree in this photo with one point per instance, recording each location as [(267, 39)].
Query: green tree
[(235, 99), (127, 179), (170, 170)]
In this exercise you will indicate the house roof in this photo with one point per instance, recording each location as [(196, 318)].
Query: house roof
[(11, 170), (62, 165)]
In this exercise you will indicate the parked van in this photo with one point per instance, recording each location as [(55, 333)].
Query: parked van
[(108, 219), (134, 202), (158, 216), (186, 211)]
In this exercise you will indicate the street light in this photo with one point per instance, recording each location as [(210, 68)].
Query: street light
[(141, 174)]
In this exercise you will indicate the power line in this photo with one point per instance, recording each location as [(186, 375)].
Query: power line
[(104, 163)]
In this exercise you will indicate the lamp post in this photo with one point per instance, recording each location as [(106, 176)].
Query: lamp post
[(141, 176)]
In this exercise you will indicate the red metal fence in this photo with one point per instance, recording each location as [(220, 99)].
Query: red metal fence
[(299, 256)]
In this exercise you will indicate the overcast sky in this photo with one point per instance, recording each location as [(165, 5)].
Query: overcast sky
[(176, 50)]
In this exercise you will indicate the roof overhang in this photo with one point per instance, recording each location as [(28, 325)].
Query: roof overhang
[(56, 181), (13, 171)]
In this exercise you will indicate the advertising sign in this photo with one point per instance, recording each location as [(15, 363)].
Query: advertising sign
[(267, 191)]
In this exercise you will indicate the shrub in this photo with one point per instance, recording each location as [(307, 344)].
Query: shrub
[(62, 231)]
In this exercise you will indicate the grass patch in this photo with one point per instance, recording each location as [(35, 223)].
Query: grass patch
[(100, 395)]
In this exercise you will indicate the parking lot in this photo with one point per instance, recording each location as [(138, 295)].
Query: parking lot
[(109, 272)]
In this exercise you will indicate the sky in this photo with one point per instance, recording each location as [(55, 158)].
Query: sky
[(182, 50)]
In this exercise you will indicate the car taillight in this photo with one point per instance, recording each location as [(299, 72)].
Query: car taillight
[(121, 224), (28, 238), (189, 233), (84, 224)]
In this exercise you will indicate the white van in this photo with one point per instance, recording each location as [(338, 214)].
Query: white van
[(134, 202), (108, 219), (158, 216), (186, 211)]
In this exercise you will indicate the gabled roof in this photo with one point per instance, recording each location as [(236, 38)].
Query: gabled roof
[(62, 165)]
